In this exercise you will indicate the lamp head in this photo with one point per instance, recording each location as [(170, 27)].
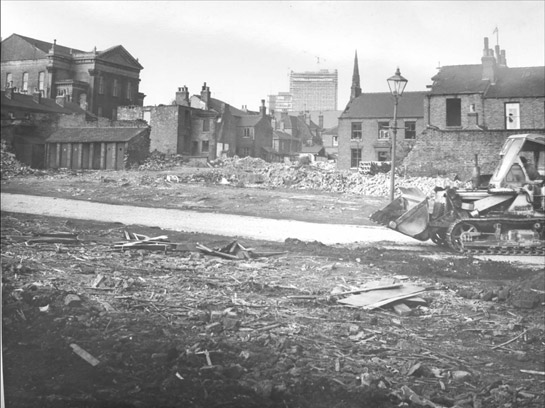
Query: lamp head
[(397, 83)]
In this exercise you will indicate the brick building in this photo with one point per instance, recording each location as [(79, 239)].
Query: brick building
[(203, 127), (364, 132), (99, 81), (472, 109)]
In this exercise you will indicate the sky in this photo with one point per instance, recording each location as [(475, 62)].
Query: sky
[(245, 50)]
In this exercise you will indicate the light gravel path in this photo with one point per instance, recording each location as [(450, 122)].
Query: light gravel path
[(208, 223)]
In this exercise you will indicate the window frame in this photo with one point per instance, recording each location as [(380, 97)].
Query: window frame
[(335, 141), (516, 123), (41, 82), (9, 80), (101, 85), (205, 146), (383, 129), (410, 131), (355, 157), (356, 134), (206, 125), (453, 112), (247, 132), (115, 88), (128, 92), (385, 153), (24, 86)]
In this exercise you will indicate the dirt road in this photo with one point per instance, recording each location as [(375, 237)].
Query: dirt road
[(209, 223)]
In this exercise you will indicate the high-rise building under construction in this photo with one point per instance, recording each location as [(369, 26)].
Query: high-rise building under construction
[(314, 91)]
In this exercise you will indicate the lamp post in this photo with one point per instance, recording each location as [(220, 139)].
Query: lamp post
[(397, 85)]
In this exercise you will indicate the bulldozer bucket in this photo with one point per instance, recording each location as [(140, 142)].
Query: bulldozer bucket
[(407, 214)]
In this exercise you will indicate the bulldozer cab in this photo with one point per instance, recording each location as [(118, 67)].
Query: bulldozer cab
[(522, 161)]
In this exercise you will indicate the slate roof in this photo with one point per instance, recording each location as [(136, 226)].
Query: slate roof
[(46, 46), (510, 82), (277, 134), (312, 149), (381, 105), (24, 102), (91, 134), (249, 120), (216, 104)]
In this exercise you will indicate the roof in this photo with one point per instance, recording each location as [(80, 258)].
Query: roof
[(518, 82), (216, 104), (24, 102), (277, 134), (249, 120), (381, 105), (510, 82), (93, 134), (44, 46)]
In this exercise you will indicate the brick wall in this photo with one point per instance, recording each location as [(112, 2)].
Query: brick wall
[(532, 112), (370, 143), (164, 129), (138, 149), (438, 152)]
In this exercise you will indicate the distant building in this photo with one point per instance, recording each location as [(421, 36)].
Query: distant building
[(314, 90), (98, 81), (364, 132), (205, 128), (282, 102)]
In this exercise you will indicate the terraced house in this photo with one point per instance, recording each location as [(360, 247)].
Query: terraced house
[(99, 81)]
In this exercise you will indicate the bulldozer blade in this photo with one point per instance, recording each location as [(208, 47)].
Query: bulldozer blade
[(407, 214)]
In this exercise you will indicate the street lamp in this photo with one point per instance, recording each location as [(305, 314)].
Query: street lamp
[(397, 85)]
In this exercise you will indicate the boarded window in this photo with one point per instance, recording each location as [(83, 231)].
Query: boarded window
[(454, 112)]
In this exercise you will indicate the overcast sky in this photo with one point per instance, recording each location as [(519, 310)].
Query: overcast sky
[(244, 50)]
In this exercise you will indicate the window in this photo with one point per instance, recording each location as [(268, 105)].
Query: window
[(356, 131), (512, 115), (129, 91), (335, 140), (101, 85), (382, 156), (115, 90), (410, 130), (41, 82), (9, 80), (355, 157), (384, 130), (99, 111), (247, 132), (454, 112), (25, 82), (245, 151), (205, 125), (205, 146)]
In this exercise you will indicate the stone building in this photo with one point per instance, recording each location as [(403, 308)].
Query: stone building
[(365, 126), (99, 81), (472, 109)]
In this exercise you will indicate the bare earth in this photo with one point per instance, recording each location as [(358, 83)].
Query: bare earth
[(183, 328)]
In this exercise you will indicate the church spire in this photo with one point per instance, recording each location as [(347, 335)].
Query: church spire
[(355, 90)]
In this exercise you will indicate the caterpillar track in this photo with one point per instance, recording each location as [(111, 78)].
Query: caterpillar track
[(503, 214), (498, 236)]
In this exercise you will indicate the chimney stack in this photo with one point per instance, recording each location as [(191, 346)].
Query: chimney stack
[(182, 96), (488, 63), (205, 95), (263, 109), (321, 121)]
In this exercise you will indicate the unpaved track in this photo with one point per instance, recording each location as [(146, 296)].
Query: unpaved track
[(208, 223)]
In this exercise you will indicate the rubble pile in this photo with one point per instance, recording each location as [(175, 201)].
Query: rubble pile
[(10, 166), (318, 176), (160, 161)]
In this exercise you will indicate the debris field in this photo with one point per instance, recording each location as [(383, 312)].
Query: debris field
[(109, 315)]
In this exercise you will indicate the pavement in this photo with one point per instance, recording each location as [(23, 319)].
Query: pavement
[(233, 226)]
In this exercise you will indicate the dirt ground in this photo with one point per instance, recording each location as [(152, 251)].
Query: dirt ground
[(183, 328)]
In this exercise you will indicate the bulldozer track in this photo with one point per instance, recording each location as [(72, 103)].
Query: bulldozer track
[(498, 250)]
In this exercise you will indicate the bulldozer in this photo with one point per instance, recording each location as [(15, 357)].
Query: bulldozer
[(502, 213)]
